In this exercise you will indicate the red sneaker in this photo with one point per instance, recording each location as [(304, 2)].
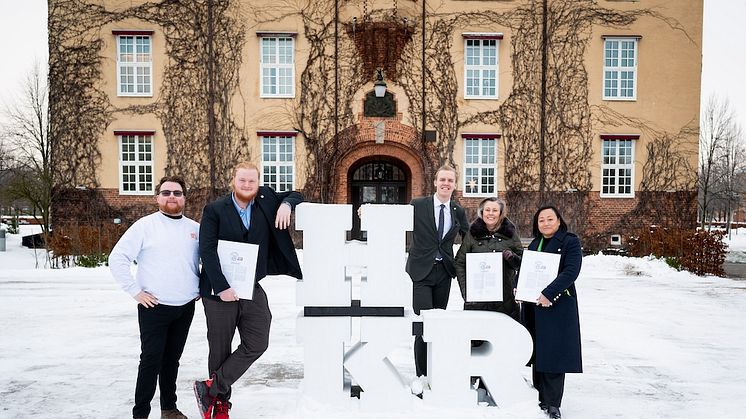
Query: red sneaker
[(205, 402), (221, 409)]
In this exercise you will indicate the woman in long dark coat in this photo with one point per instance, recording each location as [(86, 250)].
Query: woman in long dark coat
[(492, 231), (553, 319)]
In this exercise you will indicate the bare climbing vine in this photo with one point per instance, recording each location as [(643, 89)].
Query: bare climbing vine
[(201, 77), (198, 97)]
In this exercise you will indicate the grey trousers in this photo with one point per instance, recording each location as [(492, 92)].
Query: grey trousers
[(252, 319)]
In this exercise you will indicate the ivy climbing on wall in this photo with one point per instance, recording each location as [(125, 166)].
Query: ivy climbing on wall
[(199, 99), (203, 41)]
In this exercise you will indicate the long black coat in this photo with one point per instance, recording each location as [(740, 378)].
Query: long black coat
[(220, 221), (556, 329), (425, 241)]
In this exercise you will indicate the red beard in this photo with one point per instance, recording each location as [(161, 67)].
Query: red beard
[(245, 196), (171, 208)]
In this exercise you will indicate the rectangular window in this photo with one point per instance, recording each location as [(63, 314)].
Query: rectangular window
[(617, 168), (277, 66), (480, 165), (480, 68), (620, 69), (278, 162), (135, 164), (134, 65)]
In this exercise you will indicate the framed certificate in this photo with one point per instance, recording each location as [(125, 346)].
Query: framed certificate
[(537, 271), (238, 263), (484, 277)]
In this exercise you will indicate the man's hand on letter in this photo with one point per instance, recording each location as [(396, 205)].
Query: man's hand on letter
[(282, 221)]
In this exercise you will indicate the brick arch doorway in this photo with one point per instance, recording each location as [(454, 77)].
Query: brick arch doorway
[(377, 180)]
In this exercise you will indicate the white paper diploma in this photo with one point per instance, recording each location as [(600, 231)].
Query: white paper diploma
[(484, 277), (537, 271), (238, 263)]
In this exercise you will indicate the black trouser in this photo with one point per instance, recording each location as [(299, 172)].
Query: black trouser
[(252, 319), (431, 292), (163, 333), (550, 386)]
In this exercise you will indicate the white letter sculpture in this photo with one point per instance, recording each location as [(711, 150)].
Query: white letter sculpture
[(452, 362), (325, 327)]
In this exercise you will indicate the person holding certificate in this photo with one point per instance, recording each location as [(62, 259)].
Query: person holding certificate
[(492, 232), (251, 214), (552, 320)]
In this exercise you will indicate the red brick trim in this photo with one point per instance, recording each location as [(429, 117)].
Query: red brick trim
[(410, 159), (480, 135), (482, 35), (276, 34), (134, 132), (132, 32), (276, 133), (638, 37), (620, 136)]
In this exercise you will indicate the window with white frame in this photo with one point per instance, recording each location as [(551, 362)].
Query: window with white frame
[(277, 66), (135, 163), (620, 68), (134, 65), (480, 165), (278, 161), (617, 166), (480, 66)]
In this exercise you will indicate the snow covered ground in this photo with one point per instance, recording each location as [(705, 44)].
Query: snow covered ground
[(736, 246), (656, 343)]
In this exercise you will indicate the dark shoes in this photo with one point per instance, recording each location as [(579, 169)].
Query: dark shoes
[(553, 412), (205, 402), (167, 414), (172, 414)]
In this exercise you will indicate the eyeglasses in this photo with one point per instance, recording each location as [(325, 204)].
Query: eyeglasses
[(166, 192)]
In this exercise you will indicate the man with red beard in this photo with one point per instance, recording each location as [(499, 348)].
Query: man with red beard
[(164, 244), (250, 214)]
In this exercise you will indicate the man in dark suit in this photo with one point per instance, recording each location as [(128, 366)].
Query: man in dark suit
[(250, 214), (430, 264)]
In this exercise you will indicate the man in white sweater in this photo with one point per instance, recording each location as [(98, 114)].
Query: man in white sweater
[(166, 248)]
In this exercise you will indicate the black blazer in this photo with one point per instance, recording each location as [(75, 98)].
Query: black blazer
[(220, 221), (425, 241)]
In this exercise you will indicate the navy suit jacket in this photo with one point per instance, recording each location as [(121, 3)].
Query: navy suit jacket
[(220, 221), (425, 243)]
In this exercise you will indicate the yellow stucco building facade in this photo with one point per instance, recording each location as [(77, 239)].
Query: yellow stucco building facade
[(592, 105)]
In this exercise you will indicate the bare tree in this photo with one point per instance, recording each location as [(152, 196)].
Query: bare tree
[(732, 163), (719, 134), (5, 162), (26, 135)]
